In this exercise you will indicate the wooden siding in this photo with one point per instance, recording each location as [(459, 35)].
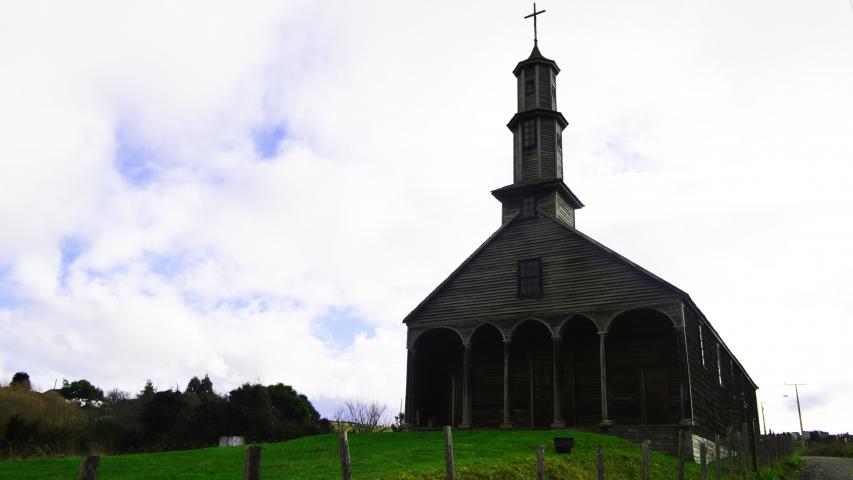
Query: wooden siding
[(558, 151), (547, 146), (716, 407), (529, 164), (576, 275), (529, 100), (564, 212), (544, 87), (516, 154), (507, 212)]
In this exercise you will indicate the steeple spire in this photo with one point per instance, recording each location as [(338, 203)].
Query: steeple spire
[(537, 130)]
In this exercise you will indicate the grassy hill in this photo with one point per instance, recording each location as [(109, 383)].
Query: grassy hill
[(480, 454)]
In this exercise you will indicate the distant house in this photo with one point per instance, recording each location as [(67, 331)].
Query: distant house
[(544, 327)]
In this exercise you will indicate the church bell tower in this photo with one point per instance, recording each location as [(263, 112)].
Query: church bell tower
[(537, 131)]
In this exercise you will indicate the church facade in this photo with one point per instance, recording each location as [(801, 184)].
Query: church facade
[(544, 327)]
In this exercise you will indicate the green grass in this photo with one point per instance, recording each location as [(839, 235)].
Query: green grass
[(480, 454), (834, 449)]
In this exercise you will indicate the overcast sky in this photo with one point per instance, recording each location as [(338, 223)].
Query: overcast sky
[(261, 191)]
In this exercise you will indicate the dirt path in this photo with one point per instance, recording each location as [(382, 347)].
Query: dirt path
[(827, 468)]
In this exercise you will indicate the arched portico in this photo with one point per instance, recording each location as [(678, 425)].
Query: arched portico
[(486, 381), (643, 370), (581, 384), (437, 370), (531, 379)]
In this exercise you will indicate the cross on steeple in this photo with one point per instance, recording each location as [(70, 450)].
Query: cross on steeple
[(534, 14)]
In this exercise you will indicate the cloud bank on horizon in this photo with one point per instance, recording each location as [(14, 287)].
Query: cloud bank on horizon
[(264, 193)]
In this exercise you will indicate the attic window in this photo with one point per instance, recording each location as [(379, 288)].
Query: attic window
[(530, 278), (528, 134), (528, 207)]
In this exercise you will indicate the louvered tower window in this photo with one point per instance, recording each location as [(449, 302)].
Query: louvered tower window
[(528, 134)]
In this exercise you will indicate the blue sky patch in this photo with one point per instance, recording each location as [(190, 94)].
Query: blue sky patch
[(135, 162), (342, 325), (8, 299), (629, 160), (266, 140), (70, 248)]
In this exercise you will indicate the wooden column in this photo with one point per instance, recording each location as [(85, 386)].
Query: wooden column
[(466, 387), (410, 387), (507, 420), (557, 356), (605, 420), (684, 377)]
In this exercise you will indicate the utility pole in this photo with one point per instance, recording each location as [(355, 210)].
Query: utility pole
[(799, 411), (763, 421)]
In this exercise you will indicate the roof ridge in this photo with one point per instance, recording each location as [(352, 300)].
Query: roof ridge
[(465, 262)]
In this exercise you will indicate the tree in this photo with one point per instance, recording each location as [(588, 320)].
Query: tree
[(21, 380), (360, 416), (292, 406), (165, 411), (147, 392), (202, 388), (81, 391)]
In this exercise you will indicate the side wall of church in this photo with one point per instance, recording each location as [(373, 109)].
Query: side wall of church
[(576, 275), (717, 404)]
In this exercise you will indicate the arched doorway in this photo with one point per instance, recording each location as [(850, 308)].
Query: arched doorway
[(531, 375), (438, 378), (643, 378), (581, 384), (486, 376)]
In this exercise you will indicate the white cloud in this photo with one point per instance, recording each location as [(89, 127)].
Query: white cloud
[(710, 143)]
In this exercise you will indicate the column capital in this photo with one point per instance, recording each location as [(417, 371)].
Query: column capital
[(556, 338), (507, 341), (603, 333)]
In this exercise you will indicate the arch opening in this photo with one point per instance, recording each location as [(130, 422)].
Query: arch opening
[(581, 385), (643, 376), (438, 378), (531, 375), (486, 376)]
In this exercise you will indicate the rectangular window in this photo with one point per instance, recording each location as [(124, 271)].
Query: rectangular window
[(529, 278), (719, 366), (702, 345), (528, 133), (528, 207)]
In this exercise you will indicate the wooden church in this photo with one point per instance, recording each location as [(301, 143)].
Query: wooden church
[(544, 327)]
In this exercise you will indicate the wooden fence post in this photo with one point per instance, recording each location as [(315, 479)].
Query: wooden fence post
[(644, 475), (600, 455), (346, 468), (684, 443), (718, 459), (89, 468), (252, 465), (449, 466), (703, 459), (540, 462)]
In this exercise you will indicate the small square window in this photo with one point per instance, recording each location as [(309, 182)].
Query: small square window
[(529, 87), (529, 278), (528, 207), (528, 133)]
